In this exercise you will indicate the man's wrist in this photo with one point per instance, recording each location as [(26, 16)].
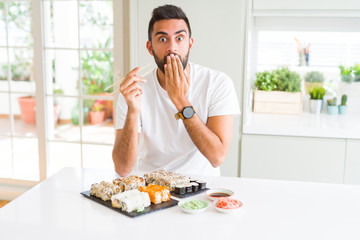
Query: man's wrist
[(182, 104), (133, 112)]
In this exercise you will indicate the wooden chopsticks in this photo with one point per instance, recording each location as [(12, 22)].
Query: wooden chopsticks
[(122, 79)]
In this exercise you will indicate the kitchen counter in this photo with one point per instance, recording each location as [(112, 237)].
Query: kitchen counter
[(304, 125), (54, 209)]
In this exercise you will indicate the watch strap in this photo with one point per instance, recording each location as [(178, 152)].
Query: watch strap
[(181, 115)]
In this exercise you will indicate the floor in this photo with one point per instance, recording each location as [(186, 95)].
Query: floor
[(19, 155), (3, 203)]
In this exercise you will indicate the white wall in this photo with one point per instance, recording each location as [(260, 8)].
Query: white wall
[(218, 33)]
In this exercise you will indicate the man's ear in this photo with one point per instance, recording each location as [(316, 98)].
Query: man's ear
[(149, 48), (191, 42)]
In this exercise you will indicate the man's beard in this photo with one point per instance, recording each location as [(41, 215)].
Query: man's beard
[(161, 62)]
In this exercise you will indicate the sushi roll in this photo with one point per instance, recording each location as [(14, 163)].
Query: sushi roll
[(188, 188), (157, 193), (195, 186), (202, 184), (180, 189), (193, 180), (132, 200)]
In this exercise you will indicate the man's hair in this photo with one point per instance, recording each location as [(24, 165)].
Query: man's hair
[(167, 12)]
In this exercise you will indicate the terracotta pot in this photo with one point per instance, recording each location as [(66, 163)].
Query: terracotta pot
[(27, 109), (108, 104), (97, 117)]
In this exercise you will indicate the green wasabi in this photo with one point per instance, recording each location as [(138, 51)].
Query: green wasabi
[(195, 204)]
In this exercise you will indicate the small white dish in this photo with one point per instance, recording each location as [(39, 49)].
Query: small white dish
[(216, 193), (193, 211), (225, 210)]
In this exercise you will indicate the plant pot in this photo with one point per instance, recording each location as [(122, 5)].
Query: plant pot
[(342, 109), (108, 105), (277, 102), (316, 105), (27, 109), (97, 117), (332, 110)]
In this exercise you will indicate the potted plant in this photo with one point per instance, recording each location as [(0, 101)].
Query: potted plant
[(27, 109), (356, 71), (312, 79), (278, 92), (331, 106), (316, 99), (343, 107), (345, 73), (97, 113)]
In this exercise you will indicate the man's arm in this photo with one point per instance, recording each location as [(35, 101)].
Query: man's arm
[(214, 138), (126, 146), (127, 139)]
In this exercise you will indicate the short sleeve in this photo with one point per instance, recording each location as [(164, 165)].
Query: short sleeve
[(223, 97), (121, 113)]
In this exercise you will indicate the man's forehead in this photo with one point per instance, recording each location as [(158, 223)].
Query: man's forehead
[(170, 26)]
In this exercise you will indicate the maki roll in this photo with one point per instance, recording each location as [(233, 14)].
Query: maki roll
[(188, 188), (202, 184), (193, 180), (195, 186), (180, 189)]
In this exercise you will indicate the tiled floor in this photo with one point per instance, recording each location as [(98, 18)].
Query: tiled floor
[(3, 203)]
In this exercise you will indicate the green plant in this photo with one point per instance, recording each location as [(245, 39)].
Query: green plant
[(97, 69), (265, 81), (287, 80), (314, 76), (332, 101), (317, 93), (343, 100), (345, 73), (356, 71)]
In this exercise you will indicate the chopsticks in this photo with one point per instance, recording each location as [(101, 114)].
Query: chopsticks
[(122, 79)]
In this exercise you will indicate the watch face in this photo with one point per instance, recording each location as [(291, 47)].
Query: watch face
[(188, 112)]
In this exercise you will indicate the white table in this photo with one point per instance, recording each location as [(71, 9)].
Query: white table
[(54, 209)]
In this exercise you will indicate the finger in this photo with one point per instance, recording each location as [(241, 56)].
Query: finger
[(180, 67), (175, 68), (168, 72), (133, 72), (130, 80), (135, 93), (131, 88)]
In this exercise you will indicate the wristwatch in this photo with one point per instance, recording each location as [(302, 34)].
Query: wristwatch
[(186, 113)]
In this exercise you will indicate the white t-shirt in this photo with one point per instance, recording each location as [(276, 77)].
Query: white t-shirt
[(165, 143)]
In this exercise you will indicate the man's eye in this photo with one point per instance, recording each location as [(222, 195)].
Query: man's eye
[(180, 38), (162, 39)]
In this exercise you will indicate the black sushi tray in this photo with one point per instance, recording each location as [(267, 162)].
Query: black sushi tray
[(188, 194), (150, 209)]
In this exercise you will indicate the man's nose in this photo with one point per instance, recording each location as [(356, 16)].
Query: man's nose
[(172, 47)]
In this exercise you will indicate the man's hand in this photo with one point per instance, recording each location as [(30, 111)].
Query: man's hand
[(131, 90), (177, 81)]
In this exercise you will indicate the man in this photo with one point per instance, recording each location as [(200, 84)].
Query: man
[(183, 111)]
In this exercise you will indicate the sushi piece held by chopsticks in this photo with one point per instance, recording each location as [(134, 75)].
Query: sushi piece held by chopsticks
[(122, 79)]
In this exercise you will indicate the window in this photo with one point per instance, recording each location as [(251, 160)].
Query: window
[(77, 45)]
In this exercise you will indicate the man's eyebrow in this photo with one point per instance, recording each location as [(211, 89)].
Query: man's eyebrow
[(180, 31), (164, 33), (160, 32)]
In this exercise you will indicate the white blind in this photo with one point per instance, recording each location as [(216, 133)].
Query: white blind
[(327, 49)]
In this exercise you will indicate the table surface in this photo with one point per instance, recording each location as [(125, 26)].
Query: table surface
[(54, 209)]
